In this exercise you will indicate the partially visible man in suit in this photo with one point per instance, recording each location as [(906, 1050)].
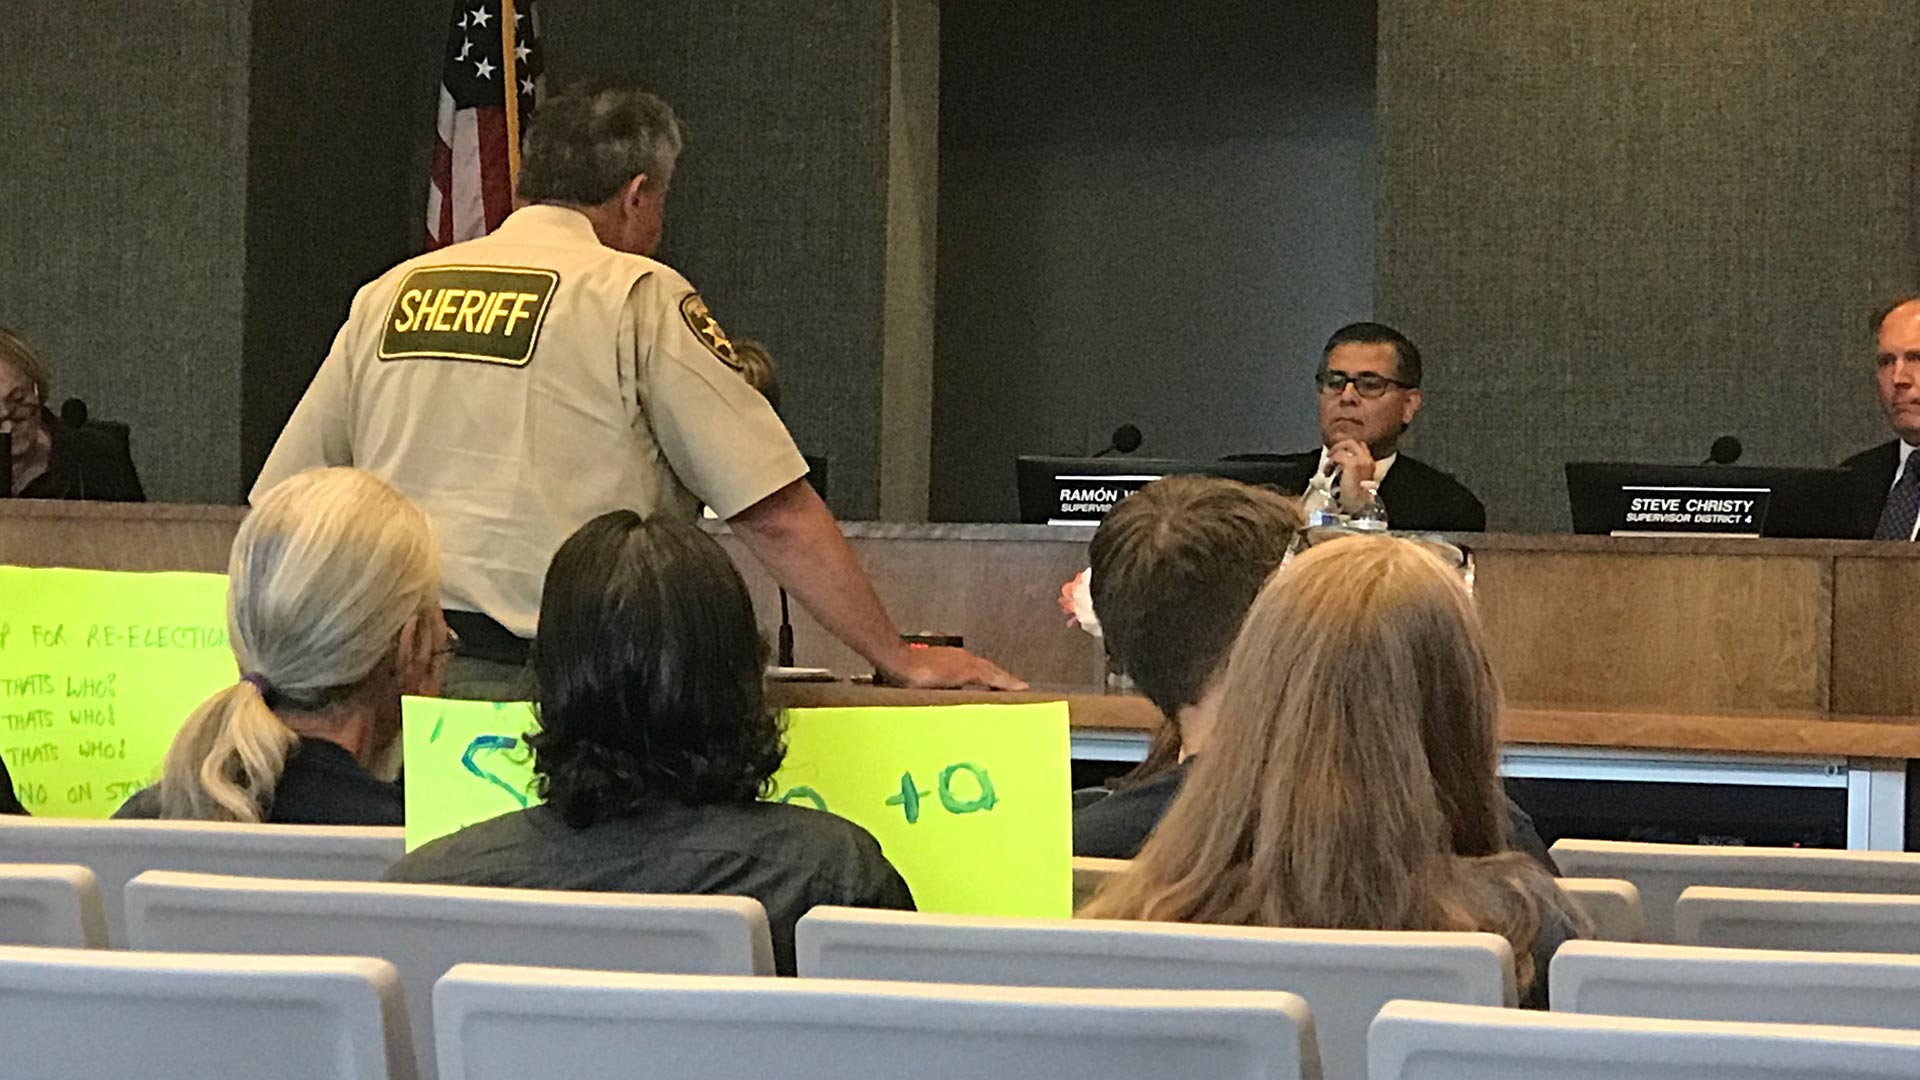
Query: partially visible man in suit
[(1888, 478), (1369, 382)]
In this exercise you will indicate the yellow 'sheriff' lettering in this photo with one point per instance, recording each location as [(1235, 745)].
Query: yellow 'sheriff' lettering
[(520, 302), (449, 307), (470, 305), (409, 306), (495, 308)]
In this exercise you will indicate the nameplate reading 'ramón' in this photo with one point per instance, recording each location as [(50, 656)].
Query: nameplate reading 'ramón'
[(491, 314)]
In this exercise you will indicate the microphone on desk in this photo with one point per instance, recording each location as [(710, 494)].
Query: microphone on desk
[(6, 455), (1726, 450), (1125, 440), (783, 651)]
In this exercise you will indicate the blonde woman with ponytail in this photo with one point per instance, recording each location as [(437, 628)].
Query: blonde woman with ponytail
[(333, 612), (1350, 783)]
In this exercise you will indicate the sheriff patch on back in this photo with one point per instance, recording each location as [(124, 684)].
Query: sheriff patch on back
[(486, 313)]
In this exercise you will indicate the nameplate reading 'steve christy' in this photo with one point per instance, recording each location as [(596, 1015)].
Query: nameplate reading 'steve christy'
[(491, 314), (1665, 510)]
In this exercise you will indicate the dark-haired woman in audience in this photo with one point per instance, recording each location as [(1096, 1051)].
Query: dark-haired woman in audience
[(1351, 782), (48, 459), (333, 612), (656, 742)]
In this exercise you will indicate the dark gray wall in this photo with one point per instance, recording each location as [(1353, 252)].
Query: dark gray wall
[(1621, 228), (340, 122), (779, 207), (122, 198), (1149, 213)]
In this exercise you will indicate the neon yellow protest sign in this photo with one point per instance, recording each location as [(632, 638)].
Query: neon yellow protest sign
[(971, 803), (98, 669)]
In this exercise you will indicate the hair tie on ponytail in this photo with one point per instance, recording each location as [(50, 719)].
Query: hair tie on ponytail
[(260, 683)]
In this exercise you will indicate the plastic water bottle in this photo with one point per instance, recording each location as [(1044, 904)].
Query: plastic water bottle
[(1371, 514), (1319, 504)]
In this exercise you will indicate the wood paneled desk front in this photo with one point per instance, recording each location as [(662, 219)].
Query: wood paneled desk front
[(1684, 646)]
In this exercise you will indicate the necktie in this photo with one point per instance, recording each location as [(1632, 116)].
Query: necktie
[(1903, 504)]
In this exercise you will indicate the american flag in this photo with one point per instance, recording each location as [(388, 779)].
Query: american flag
[(476, 146)]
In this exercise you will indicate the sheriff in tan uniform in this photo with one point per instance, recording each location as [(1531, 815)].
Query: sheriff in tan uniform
[(518, 385)]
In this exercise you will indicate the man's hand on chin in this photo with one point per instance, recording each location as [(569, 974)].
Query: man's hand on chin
[(1356, 467)]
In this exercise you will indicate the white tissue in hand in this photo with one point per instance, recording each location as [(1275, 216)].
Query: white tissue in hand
[(1083, 602)]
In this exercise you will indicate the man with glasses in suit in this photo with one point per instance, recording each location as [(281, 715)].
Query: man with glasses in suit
[(1369, 383)]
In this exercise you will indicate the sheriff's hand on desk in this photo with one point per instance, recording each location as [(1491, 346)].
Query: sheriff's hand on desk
[(942, 668), (1355, 461)]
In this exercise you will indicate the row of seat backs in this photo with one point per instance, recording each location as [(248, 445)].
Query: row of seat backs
[(424, 930), (172, 1016), (1662, 872), (1612, 905), (117, 851)]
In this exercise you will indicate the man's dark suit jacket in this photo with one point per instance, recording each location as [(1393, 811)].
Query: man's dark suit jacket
[(1418, 496), (1873, 472)]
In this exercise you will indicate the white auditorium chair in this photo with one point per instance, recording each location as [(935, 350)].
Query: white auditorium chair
[(51, 904), (1345, 975), (1683, 982), (117, 850), (1421, 1040), (1090, 873), (1781, 919), (505, 1023), (162, 1016), (1612, 905), (426, 929), (1661, 871)]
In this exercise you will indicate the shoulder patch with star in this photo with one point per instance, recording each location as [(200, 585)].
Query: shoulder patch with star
[(701, 322)]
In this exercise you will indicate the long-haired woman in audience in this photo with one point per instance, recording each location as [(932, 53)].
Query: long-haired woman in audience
[(656, 744), (333, 612), (1352, 783)]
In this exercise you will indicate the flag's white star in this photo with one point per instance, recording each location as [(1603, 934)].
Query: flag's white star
[(521, 52), (484, 69), (463, 21), (480, 16), (465, 48), (526, 86), (517, 16)]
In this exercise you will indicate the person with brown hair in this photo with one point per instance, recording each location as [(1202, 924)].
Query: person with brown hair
[(1174, 568), (1349, 781)]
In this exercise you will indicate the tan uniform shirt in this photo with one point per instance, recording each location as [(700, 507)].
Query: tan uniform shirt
[(518, 385)]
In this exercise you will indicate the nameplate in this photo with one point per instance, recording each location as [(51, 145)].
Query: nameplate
[(1084, 500), (1693, 511)]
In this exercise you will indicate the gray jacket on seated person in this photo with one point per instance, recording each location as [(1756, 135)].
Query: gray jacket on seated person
[(790, 858)]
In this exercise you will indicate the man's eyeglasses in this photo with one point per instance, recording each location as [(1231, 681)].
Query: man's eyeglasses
[(1366, 383)]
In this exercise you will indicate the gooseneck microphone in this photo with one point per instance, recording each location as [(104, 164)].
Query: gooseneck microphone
[(1725, 451), (783, 651), (73, 413), (6, 456), (1125, 440)]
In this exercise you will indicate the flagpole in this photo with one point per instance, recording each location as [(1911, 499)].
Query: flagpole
[(510, 70)]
